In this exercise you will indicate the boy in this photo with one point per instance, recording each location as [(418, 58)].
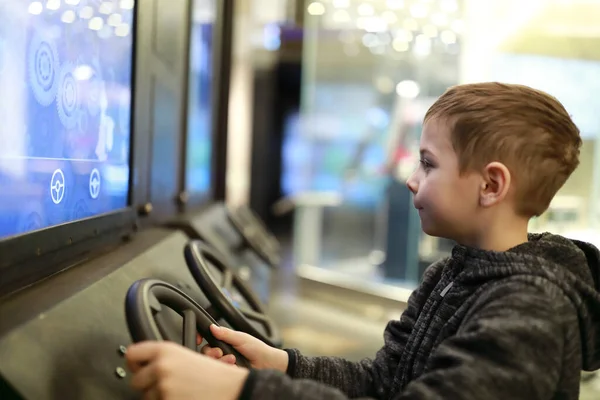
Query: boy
[(506, 316)]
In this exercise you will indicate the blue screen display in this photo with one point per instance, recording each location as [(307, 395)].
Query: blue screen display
[(65, 110), (198, 171)]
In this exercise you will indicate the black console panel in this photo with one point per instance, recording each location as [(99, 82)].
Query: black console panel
[(73, 349)]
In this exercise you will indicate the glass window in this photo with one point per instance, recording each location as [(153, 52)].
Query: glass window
[(372, 69)]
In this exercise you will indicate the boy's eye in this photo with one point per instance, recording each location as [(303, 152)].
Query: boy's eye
[(425, 164)]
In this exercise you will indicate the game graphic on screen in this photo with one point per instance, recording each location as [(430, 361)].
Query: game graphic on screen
[(65, 74), (200, 95)]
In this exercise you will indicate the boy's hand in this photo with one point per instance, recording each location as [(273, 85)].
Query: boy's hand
[(260, 355), (168, 371)]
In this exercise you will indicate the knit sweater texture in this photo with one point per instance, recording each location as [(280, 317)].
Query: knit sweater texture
[(519, 324)]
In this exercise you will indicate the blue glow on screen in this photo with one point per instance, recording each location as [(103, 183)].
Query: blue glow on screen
[(65, 110), (198, 171)]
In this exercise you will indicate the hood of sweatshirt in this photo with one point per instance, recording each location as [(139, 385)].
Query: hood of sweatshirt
[(572, 265)]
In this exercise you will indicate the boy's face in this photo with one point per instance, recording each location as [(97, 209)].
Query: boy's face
[(447, 202)]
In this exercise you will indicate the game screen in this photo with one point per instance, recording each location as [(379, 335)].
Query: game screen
[(65, 110), (198, 170)]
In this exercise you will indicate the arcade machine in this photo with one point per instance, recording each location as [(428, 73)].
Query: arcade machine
[(80, 279), (237, 233)]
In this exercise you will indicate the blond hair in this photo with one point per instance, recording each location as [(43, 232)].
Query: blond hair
[(526, 129)]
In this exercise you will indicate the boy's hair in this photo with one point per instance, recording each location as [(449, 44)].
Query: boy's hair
[(526, 129)]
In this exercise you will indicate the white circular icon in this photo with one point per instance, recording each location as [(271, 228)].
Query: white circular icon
[(57, 186), (95, 183)]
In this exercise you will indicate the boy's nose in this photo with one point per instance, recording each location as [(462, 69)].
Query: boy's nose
[(412, 184)]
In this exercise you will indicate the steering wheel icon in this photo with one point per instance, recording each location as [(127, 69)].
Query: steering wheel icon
[(94, 183), (57, 186)]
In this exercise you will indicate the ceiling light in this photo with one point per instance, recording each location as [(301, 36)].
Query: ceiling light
[(316, 8)]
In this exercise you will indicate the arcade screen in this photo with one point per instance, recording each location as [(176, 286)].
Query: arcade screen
[(65, 74), (198, 169)]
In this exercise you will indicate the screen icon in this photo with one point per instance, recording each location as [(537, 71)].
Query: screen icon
[(43, 69), (57, 186), (95, 183), (67, 100)]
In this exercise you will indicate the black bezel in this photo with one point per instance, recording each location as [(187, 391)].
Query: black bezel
[(33, 256)]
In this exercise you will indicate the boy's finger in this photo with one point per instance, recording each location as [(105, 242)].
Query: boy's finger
[(143, 352), (229, 359), (228, 336), (213, 352)]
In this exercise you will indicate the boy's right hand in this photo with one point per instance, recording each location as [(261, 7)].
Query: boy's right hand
[(260, 355)]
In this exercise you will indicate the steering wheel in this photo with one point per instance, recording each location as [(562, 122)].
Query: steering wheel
[(143, 303), (230, 296), (255, 234)]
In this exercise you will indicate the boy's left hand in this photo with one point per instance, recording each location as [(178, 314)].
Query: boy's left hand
[(168, 371)]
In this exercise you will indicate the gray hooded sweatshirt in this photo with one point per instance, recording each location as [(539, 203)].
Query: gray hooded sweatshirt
[(482, 325)]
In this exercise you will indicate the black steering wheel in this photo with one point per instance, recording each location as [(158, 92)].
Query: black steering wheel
[(255, 234), (143, 303), (230, 296)]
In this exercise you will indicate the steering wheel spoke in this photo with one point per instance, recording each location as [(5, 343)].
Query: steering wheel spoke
[(163, 326), (227, 281), (189, 330)]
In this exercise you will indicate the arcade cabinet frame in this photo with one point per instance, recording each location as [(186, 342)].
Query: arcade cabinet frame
[(66, 281), (190, 204), (34, 256), (221, 71)]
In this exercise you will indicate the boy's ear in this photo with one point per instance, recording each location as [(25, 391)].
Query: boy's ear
[(495, 185)]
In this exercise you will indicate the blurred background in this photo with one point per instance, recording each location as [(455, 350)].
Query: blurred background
[(337, 92)]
